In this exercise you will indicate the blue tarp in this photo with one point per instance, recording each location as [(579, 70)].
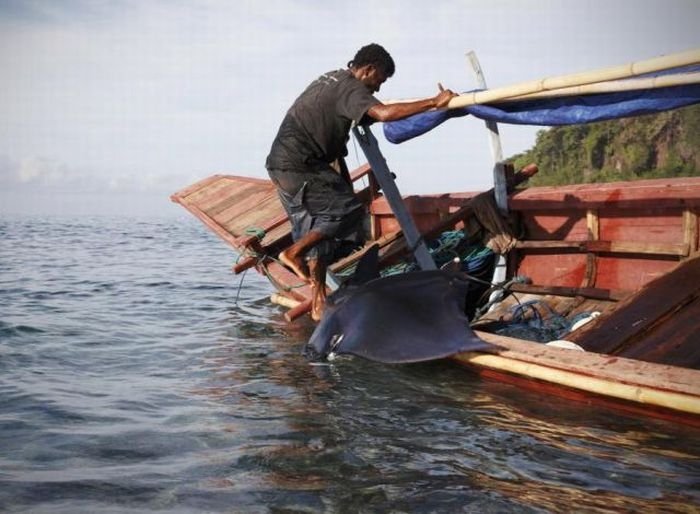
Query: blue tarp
[(570, 110)]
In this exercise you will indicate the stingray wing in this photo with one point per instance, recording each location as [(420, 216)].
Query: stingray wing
[(407, 318)]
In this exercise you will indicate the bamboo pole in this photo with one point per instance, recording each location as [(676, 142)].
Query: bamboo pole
[(634, 393), (577, 79), (284, 301), (615, 86)]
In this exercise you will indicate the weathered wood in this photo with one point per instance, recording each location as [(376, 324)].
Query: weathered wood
[(267, 227), (181, 195), (213, 225), (298, 310), (248, 205), (690, 230), (639, 313), (592, 224), (222, 192), (612, 368), (680, 249), (364, 170), (244, 264), (240, 197), (586, 292), (637, 248), (284, 301), (629, 380), (674, 340), (642, 194), (284, 280)]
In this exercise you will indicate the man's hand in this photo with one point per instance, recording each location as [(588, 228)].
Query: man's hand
[(400, 110), (443, 97)]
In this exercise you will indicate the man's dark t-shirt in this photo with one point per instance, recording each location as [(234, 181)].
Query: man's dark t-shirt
[(317, 125)]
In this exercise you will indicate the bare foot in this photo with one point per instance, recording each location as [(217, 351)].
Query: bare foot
[(296, 265)]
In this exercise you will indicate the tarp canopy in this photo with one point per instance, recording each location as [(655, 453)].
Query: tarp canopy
[(560, 110)]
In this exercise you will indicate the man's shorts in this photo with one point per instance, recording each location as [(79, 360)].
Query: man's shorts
[(321, 200)]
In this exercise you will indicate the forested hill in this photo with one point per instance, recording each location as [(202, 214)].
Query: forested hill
[(652, 146)]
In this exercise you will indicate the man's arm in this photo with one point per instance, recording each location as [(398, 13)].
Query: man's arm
[(397, 111)]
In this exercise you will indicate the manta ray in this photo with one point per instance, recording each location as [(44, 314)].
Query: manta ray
[(410, 317)]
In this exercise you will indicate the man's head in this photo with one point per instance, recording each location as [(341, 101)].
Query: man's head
[(372, 65)]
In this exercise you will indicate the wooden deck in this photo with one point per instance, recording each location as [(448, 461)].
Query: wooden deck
[(244, 212)]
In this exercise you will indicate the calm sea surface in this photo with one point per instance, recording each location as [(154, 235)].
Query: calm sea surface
[(135, 376)]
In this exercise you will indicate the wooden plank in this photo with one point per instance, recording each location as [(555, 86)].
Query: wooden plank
[(656, 225), (586, 292), (556, 224), (656, 193), (673, 341), (613, 369), (244, 264), (239, 201), (285, 281), (278, 238), (617, 331), (631, 271), (258, 207), (361, 171), (267, 211), (551, 245), (637, 248), (592, 224), (266, 228), (187, 191), (217, 191), (555, 269), (608, 247), (690, 229), (671, 394)]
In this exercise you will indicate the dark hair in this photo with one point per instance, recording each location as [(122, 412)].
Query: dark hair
[(376, 55)]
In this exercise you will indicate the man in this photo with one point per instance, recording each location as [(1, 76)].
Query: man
[(307, 165)]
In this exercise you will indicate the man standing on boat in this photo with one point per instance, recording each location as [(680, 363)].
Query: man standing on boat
[(307, 165)]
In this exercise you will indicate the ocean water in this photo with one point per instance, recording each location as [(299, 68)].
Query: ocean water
[(137, 374)]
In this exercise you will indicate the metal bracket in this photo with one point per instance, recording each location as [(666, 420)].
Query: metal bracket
[(384, 177)]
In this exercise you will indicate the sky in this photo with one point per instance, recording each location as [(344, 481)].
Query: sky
[(109, 106)]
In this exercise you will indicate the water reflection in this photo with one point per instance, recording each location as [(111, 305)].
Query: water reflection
[(359, 436)]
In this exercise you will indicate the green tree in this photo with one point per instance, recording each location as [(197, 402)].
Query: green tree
[(653, 146)]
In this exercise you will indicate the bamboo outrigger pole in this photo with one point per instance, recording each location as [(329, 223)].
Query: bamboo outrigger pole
[(634, 69), (615, 86)]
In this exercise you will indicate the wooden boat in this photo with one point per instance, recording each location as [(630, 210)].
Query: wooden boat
[(629, 251)]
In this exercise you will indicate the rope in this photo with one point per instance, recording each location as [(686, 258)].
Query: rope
[(260, 258), (527, 322), (257, 232), (240, 287)]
